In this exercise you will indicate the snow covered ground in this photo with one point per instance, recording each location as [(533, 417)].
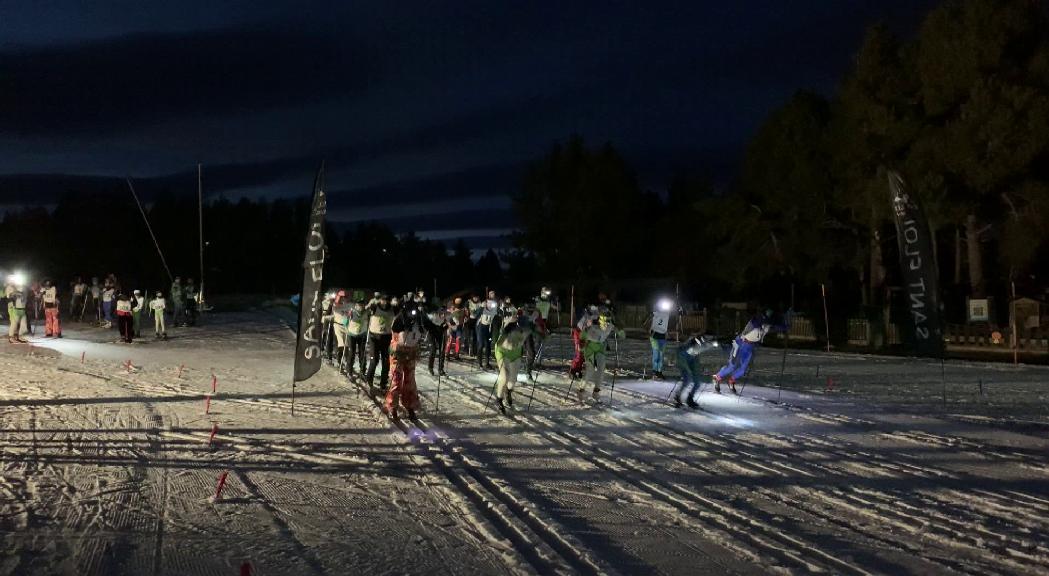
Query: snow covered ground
[(109, 470)]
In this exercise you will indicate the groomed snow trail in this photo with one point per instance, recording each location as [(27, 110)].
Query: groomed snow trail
[(107, 470)]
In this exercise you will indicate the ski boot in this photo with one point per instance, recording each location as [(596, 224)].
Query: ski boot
[(732, 385), (677, 401), (442, 373), (393, 414), (658, 375), (411, 414), (510, 398), (692, 403), (717, 384), (502, 407), (581, 394), (596, 394)]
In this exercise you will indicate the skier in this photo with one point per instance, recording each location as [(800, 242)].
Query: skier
[(743, 348), (340, 308), (76, 303), (157, 306), (436, 323), (189, 304), (93, 300), (176, 301), (457, 315), (594, 341), (52, 324), (14, 291), (509, 351), (688, 363), (138, 302), (408, 336), (474, 308), (109, 292), (379, 332), (588, 315), (489, 318), (327, 327), (540, 315), (357, 335), (657, 334), (125, 322)]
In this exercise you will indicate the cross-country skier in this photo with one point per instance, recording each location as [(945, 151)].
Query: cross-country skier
[(744, 345), (357, 337), (156, 306), (93, 300), (327, 327), (408, 336), (457, 315), (177, 302), (14, 291), (189, 304), (109, 293), (138, 303), (125, 321), (688, 364), (485, 325), (76, 303), (594, 340), (540, 316), (380, 324), (657, 334), (435, 321), (509, 351), (474, 309), (340, 308), (588, 315), (52, 323)]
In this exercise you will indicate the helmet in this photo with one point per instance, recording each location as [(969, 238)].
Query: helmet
[(457, 301), (507, 300), (160, 294), (136, 292), (395, 301)]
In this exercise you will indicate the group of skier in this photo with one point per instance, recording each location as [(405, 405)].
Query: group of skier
[(386, 336), (392, 332), (109, 304)]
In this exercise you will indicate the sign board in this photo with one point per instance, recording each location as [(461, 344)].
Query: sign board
[(979, 310)]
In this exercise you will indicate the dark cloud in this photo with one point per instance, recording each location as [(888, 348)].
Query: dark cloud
[(105, 86)]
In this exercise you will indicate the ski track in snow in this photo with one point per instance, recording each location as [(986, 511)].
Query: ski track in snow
[(106, 469)]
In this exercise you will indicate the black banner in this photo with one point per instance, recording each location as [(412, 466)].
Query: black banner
[(308, 349), (920, 274)]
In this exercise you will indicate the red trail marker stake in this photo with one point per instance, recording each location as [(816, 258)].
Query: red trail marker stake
[(246, 569), (214, 383), (180, 367), (830, 383), (221, 485), (207, 404), (82, 354), (214, 430)]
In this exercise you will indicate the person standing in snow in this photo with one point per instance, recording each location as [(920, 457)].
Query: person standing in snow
[(16, 314), (76, 303), (109, 293), (157, 306), (93, 300), (744, 346), (509, 352), (473, 315), (176, 301), (52, 324), (435, 321), (125, 321), (658, 325), (357, 336), (189, 304), (688, 364), (327, 327), (138, 302), (586, 317), (457, 315), (485, 326), (408, 335), (339, 318), (380, 324), (540, 316), (594, 341)]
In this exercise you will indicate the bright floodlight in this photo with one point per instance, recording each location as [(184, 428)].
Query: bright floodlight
[(665, 304), (18, 279)]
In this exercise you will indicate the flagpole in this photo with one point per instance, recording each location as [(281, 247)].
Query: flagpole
[(200, 227)]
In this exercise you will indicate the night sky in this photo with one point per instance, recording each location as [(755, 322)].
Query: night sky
[(425, 111)]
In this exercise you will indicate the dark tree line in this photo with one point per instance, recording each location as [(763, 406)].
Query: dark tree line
[(961, 110)]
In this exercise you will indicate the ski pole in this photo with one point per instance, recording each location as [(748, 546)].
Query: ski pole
[(571, 388), (615, 371), (437, 408), (490, 395), (535, 380)]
